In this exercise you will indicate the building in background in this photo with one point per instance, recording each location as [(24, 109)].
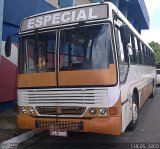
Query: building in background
[(13, 11)]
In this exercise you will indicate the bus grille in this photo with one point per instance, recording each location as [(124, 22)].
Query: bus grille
[(62, 125), (76, 97), (77, 111)]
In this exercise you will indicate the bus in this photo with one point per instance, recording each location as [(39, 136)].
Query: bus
[(84, 69)]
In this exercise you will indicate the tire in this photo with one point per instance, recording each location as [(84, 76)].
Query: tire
[(152, 94), (133, 123)]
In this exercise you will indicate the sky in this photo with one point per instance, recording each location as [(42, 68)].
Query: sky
[(153, 34)]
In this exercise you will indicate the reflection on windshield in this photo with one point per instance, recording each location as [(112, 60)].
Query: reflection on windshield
[(85, 48), (40, 60)]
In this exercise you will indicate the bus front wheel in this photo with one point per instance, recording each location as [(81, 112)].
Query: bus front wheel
[(133, 123)]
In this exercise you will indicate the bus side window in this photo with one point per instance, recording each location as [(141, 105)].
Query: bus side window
[(142, 53), (148, 56), (132, 51), (154, 60), (121, 56), (144, 56), (151, 59), (150, 62), (123, 65), (137, 51)]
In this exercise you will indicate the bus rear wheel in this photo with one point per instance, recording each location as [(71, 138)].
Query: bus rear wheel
[(152, 94), (133, 123)]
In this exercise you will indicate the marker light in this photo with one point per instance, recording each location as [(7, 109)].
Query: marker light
[(23, 109), (103, 111), (31, 110), (92, 111), (113, 111)]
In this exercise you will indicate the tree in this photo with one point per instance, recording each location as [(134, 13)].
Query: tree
[(156, 47)]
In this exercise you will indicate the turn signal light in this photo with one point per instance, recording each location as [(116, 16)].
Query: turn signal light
[(113, 111)]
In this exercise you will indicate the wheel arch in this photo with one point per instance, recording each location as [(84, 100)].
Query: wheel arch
[(136, 93)]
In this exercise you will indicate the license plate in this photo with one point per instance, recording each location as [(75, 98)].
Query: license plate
[(59, 133)]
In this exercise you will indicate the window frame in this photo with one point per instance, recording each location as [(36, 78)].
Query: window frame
[(25, 57), (119, 56)]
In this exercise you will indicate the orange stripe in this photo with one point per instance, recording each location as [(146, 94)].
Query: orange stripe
[(88, 77), (69, 78), (109, 125), (145, 92), (37, 79)]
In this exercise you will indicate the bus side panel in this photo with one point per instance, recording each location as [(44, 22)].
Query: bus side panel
[(140, 78)]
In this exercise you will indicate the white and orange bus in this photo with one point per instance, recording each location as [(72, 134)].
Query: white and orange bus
[(82, 68)]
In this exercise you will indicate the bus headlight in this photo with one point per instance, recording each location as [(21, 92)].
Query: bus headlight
[(23, 109), (103, 111), (92, 111), (31, 110)]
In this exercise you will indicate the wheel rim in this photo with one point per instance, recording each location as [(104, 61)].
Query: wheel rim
[(135, 112)]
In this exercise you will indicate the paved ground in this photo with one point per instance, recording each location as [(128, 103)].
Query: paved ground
[(147, 131), (8, 125)]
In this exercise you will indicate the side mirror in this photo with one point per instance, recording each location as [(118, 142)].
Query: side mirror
[(125, 35), (8, 46)]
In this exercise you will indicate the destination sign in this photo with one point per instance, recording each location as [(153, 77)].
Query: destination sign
[(65, 17)]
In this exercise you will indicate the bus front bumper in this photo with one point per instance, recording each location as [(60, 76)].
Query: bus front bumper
[(110, 125)]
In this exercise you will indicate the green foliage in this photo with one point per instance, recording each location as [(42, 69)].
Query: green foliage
[(156, 47)]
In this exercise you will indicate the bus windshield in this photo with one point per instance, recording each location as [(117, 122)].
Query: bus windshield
[(80, 48), (85, 48)]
